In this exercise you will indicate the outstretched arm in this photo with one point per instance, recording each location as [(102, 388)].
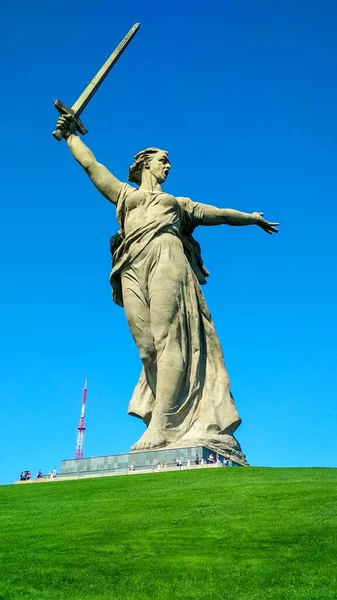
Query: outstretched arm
[(101, 177), (210, 215)]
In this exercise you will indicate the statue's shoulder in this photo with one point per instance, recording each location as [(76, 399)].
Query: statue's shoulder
[(126, 189), (185, 203)]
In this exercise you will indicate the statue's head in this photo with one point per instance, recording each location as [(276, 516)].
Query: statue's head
[(153, 159)]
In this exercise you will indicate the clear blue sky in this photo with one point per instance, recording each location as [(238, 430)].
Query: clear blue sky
[(243, 96)]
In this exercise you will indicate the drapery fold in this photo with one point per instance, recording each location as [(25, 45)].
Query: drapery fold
[(202, 407)]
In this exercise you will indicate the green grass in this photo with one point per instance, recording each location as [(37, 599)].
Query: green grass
[(212, 534)]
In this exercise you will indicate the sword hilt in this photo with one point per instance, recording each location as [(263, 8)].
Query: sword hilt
[(63, 110)]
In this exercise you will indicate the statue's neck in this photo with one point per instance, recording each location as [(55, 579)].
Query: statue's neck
[(149, 182)]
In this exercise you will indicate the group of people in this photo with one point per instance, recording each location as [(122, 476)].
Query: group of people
[(211, 460), (160, 465), (26, 475)]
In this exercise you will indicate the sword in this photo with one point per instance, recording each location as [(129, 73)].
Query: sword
[(92, 87)]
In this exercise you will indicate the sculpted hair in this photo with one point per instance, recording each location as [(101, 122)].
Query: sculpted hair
[(135, 171)]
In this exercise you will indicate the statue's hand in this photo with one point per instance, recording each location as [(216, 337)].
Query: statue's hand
[(66, 123), (265, 225)]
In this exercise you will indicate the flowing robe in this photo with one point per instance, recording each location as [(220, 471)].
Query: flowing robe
[(202, 408)]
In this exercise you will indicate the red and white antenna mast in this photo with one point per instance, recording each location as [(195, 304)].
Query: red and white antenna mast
[(81, 428)]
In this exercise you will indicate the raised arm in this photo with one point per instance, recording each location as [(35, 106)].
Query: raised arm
[(211, 215), (101, 177)]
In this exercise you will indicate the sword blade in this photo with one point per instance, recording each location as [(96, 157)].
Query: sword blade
[(94, 84)]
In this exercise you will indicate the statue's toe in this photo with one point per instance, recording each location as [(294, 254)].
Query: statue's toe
[(150, 440)]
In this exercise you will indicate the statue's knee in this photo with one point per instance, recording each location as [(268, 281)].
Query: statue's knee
[(147, 354), (162, 338)]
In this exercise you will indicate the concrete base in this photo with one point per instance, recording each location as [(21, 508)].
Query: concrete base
[(140, 460)]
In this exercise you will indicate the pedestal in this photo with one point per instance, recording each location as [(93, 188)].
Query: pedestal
[(140, 460)]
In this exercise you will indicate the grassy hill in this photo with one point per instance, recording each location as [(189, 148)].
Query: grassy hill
[(240, 533)]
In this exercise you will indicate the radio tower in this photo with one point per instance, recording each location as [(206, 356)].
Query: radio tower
[(81, 428)]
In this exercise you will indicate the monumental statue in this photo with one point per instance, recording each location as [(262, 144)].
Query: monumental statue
[(183, 394)]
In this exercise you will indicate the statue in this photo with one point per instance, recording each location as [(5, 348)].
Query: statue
[(183, 393)]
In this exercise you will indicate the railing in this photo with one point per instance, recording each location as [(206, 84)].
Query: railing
[(125, 471)]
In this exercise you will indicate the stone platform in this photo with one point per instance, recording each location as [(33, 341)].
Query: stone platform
[(141, 460)]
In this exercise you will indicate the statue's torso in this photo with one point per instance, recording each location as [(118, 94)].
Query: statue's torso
[(143, 207)]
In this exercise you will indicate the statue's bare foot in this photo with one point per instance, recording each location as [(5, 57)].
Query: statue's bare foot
[(150, 440)]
